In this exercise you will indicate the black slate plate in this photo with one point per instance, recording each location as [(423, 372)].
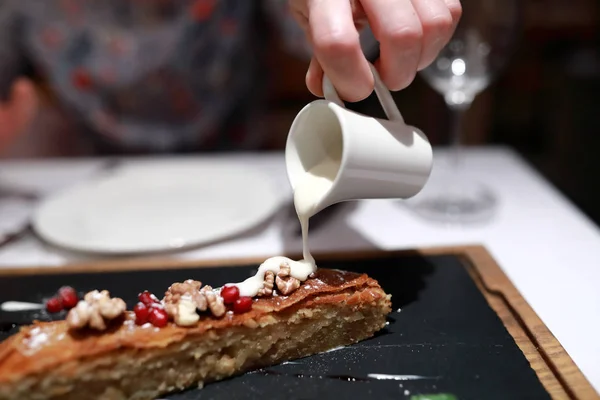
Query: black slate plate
[(442, 331)]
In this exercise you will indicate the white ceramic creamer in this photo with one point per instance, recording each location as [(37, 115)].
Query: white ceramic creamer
[(360, 157)]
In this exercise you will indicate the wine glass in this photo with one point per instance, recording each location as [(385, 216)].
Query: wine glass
[(480, 47)]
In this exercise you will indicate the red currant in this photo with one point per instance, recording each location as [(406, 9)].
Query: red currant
[(242, 305), (230, 294), (54, 305), (141, 313), (68, 297), (147, 298), (158, 317)]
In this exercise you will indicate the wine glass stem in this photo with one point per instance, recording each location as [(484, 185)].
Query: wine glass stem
[(456, 134)]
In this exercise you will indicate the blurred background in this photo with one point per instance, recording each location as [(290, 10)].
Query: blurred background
[(543, 103)]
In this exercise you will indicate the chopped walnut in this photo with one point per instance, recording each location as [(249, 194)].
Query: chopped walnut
[(181, 301), (286, 283), (95, 310), (188, 289), (267, 288), (215, 302)]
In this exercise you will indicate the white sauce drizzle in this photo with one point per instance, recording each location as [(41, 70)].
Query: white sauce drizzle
[(309, 192), (13, 306), (298, 269)]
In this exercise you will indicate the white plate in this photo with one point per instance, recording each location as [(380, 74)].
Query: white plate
[(157, 207)]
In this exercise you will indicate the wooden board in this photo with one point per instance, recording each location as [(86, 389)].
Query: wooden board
[(554, 367)]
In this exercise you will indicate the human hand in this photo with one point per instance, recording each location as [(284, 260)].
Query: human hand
[(17, 112), (411, 33)]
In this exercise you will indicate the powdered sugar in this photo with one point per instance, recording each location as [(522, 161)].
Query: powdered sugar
[(36, 338)]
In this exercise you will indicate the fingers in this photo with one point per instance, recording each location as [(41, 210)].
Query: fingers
[(455, 9), (337, 49), (411, 34), (397, 27), (438, 26), (314, 78)]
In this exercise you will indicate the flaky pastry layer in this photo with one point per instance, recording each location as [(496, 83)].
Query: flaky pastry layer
[(48, 361)]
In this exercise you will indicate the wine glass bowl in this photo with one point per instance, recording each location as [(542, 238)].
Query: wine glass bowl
[(458, 73), (477, 52)]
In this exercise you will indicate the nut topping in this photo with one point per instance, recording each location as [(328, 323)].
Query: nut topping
[(267, 288), (190, 289), (181, 301), (95, 310), (215, 302), (286, 283)]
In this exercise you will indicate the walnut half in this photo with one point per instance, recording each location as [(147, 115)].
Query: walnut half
[(284, 281), (215, 301), (95, 310), (181, 301), (267, 289)]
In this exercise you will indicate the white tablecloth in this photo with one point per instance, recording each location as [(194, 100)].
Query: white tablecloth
[(546, 246)]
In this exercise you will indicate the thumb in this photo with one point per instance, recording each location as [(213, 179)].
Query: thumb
[(18, 111)]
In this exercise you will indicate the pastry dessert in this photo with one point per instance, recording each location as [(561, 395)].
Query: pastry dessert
[(193, 336)]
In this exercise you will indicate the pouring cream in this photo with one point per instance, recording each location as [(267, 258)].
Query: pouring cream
[(308, 193)]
